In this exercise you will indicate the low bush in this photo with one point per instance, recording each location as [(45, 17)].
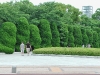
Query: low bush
[(9, 51), (68, 51), (1, 48), (5, 49)]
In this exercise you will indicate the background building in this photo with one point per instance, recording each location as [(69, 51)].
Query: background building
[(87, 10)]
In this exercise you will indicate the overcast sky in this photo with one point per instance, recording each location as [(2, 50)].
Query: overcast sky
[(75, 3)]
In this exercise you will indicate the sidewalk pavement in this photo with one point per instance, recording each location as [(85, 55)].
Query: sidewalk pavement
[(49, 69), (44, 64)]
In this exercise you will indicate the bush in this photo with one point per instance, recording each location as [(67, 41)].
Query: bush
[(6, 49), (55, 35), (8, 32), (45, 33), (68, 51), (23, 33), (35, 38), (9, 51), (1, 48)]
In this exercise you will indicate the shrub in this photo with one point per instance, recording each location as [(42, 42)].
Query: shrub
[(9, 51), (55, 35), (64, 35), (6, 49), (45, 33), (77, 36), (23, 32), (95, 40), (35, 38), (8, 33), (70, 36), (68, 51)]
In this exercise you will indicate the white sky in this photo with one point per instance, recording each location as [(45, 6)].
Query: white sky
[(75, 3)]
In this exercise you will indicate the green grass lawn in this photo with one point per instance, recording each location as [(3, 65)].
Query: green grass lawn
[(68, 51)]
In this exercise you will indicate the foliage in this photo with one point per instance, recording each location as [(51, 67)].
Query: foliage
[(55, 35), (9, 13), (85, 39), (51, 18), (89, 33), (45, 33), (68, 51), (25, 8), (77, 36), (8, 34), (97, 29), (95, 40), (6, 49), (73, 13), (64, 35), (96, 15), (23, 32), (70, 37), (35, 38)]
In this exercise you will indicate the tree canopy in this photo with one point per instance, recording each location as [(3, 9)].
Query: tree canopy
[(49, 24)]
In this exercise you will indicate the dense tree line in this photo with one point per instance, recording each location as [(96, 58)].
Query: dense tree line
[(48, 24)]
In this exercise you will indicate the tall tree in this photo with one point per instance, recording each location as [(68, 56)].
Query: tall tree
[(89, 33), (45, 33), (70, 36), (96, 15), (97, 29), (23, 32), (25, 8), (74, 13), (8, 34), (95, 39), (64, 35), (85, 39), (8, 13), (77, 36), (35, 38), (55, 35)]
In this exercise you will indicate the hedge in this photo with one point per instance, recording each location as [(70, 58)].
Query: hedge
[(6, 49), (68, 51)]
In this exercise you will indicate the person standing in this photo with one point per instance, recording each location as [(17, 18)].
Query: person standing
[(28, 47), (22, 47), (32, 48)]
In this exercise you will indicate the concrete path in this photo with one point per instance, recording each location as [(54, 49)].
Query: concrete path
[(49, 70), (48, 64)]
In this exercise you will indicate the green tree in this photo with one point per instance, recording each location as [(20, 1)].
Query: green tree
[(89, 33), (45, 33), (23, 32), (55, 35), (35, 38), (64, 35), (95, 39), (8, 34), (85, 39), (73, 13), (85, 21), (25, 8), (97, 29), (8, 13), (96, 15), (70, 36), (77, 36)]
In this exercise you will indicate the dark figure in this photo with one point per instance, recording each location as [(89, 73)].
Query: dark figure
[(28, 48), (32, 48)]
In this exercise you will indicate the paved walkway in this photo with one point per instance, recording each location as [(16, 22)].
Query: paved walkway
[(48, 64)]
